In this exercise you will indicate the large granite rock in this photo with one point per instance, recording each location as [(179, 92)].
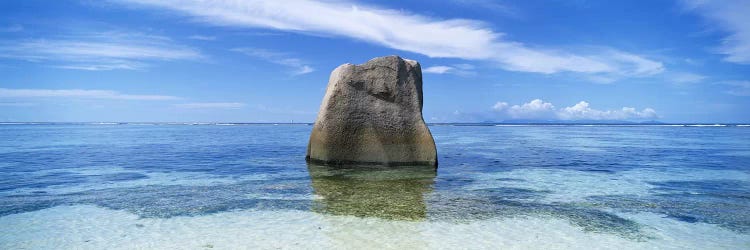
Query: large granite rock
[(372, 114)]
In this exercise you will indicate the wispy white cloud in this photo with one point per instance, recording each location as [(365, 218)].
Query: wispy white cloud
[(80, 93), (99, 51), (729, 16), (211, 105), (539, 109), (298, 65), (447, 38), (631, 64), (438, 69), (738, 88), (490, 5), (456, 69), (17, 104), (203, 38), (686, 78), (603, 79), (100, 66)]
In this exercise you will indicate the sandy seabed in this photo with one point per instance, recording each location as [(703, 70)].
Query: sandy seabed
[(92, 227)]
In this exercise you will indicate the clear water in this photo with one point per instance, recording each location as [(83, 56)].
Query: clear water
[(248, 186)]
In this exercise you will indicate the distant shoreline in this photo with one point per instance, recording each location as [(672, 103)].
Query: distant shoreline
[(498, 124)]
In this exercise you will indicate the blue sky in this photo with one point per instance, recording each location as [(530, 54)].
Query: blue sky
[(269, 61)]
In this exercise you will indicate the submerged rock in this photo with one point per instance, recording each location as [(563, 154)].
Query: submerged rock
[(372, 114), (372, 191)]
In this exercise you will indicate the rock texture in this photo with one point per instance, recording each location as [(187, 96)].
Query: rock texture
[(372, 114)]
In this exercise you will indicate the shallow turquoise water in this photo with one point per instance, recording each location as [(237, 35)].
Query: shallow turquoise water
[(248, 186)]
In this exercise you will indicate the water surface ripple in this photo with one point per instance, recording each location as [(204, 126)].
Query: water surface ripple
[(638, 184)]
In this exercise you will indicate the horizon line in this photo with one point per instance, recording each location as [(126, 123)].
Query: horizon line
[(429, 123)]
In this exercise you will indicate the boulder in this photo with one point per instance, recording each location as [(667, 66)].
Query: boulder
[(372, 114)]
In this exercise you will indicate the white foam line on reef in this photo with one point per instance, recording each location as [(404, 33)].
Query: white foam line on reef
[(706, 125), (91, 227), (572, 185)]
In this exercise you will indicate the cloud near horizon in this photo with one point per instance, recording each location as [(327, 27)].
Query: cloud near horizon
[(441, 38), (211, 105), (539, 109)]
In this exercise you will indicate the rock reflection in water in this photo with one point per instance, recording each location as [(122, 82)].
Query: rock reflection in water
[(371, 191)]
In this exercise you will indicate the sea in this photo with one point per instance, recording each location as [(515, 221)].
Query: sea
[(498, 186)]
